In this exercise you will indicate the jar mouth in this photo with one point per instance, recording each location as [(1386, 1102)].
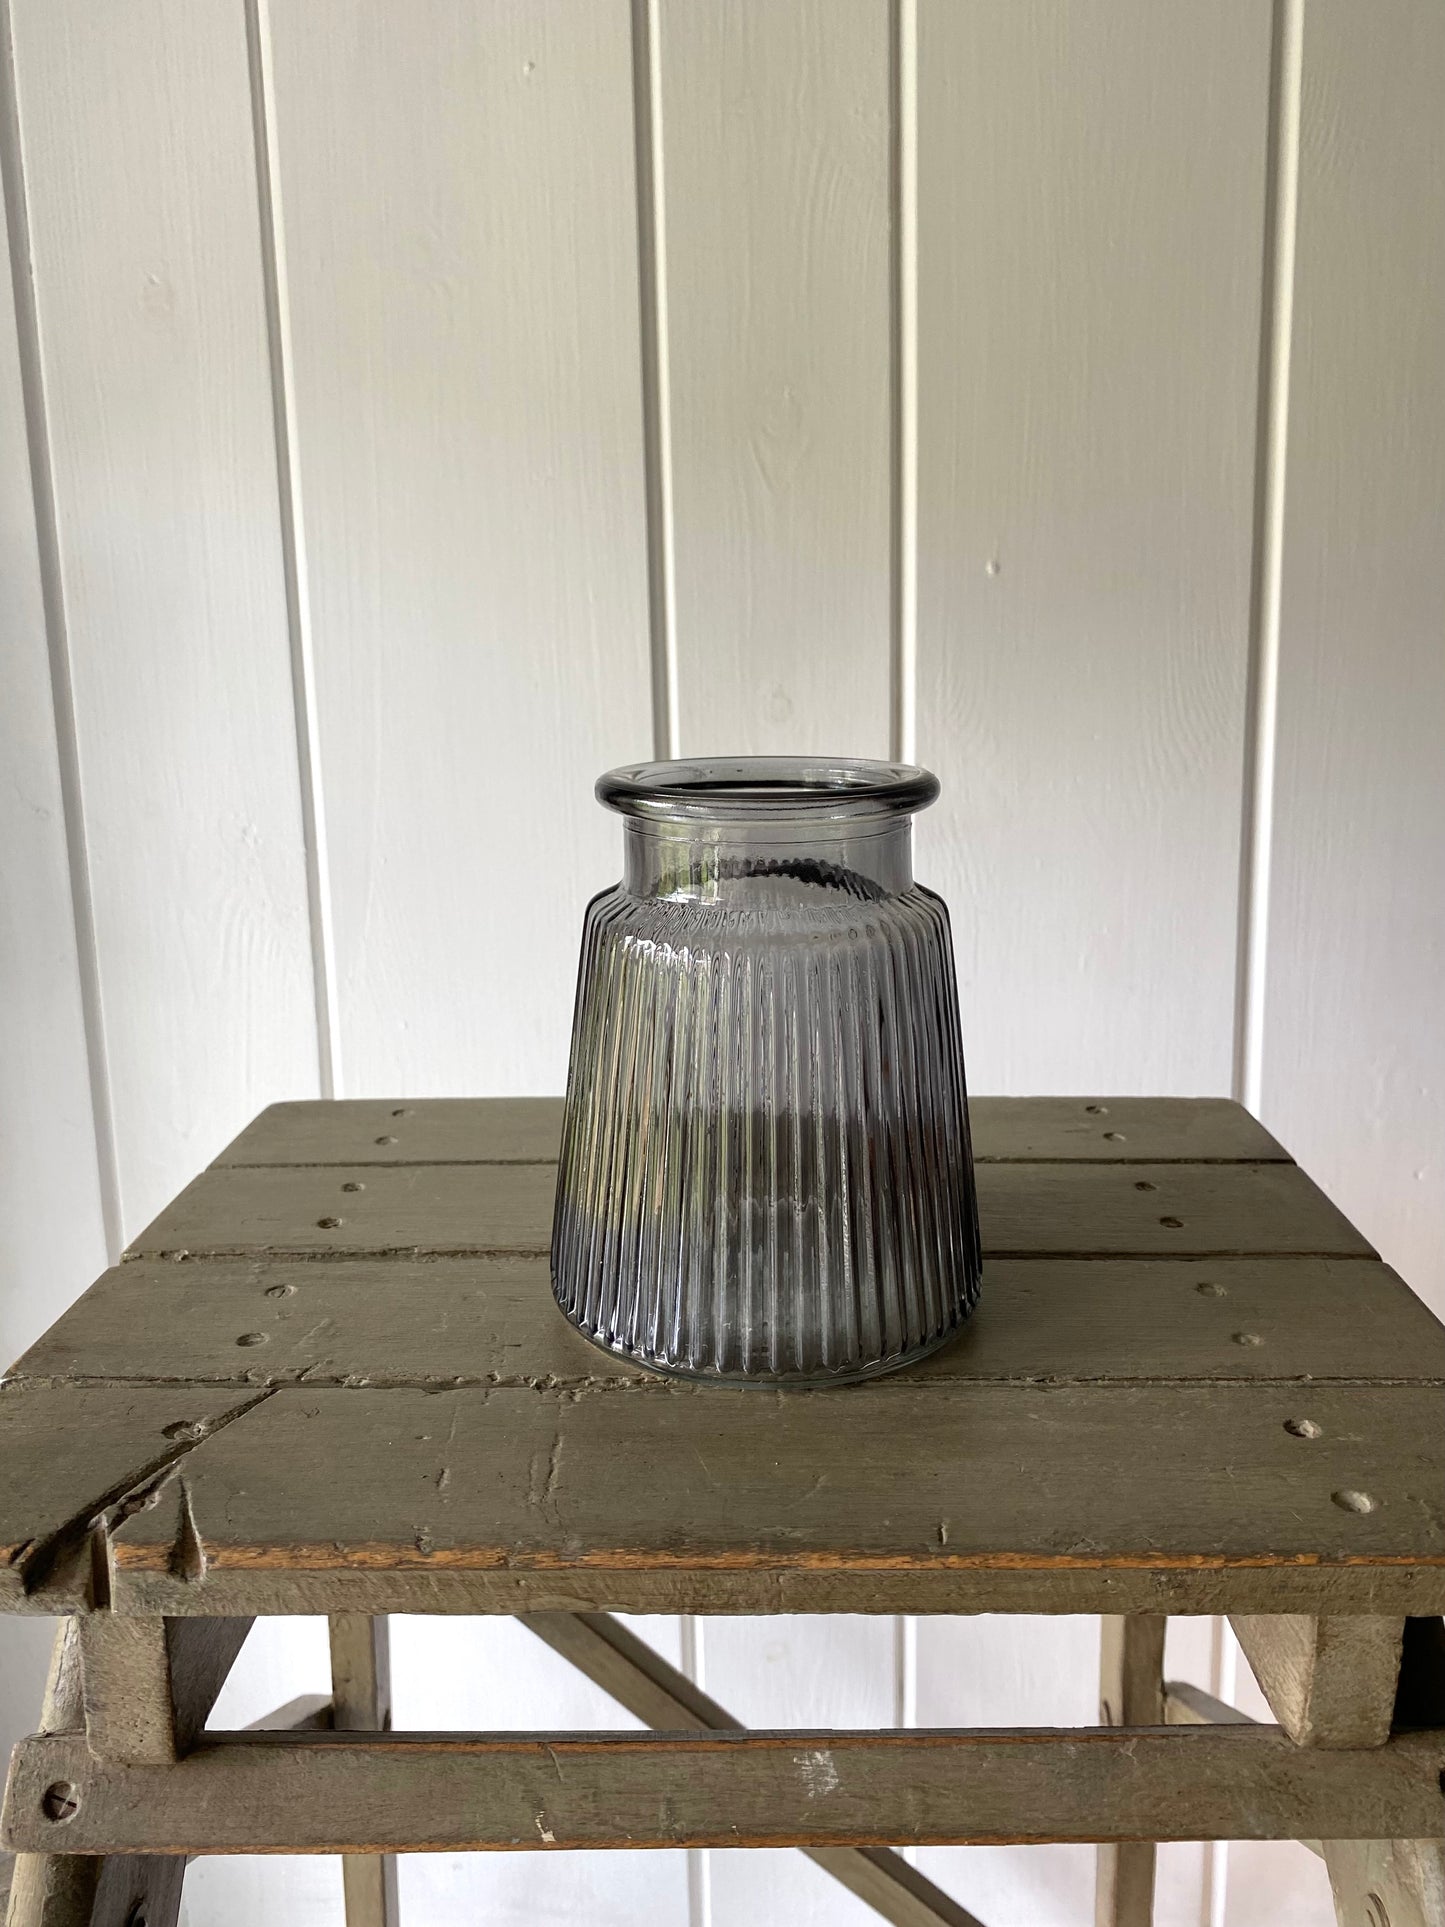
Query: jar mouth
[(741, 789)]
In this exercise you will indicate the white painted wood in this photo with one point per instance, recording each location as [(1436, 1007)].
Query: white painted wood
[(136, 136), (774, 249), (1090, 199), (1354, 1058), (459, 219)]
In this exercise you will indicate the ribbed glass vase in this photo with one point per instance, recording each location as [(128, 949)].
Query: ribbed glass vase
[(765, 1172)]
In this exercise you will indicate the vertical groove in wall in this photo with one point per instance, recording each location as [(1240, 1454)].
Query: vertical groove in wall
[(57, 637), (1272, 429), (293, 545), (656, 390), (1281, 209), (903, 375)]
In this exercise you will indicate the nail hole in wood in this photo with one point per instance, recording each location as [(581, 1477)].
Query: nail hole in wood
[(60, 1801), (252, 1338), (279, 1291), (353, 1184), (1348, 1500), (1208, 1289), (1097, 1110), (386, 1140), (402, 1110), (184, 1428), (1114, 1137), (1143, 1184), (136, 1917), (328, 1224), (1172, 1224), (1303, 1428), (1247, 1338)]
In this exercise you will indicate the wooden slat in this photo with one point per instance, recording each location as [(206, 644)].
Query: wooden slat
[(67, 1452), (1181, 1492), (1329, 1682), (150, 1683), (448, 1792), (1169, 1210), (493, 1321), (299, 1715), (1131, 1693), (523, 1130), (614, 1658), (361, 1701)]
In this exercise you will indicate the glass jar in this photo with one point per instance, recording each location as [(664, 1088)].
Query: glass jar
[(765, 1172)]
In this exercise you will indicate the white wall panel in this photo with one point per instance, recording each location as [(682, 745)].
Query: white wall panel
[(459, 223), (136, 134), (1354, 1046), (774, 258), (1091, 185)]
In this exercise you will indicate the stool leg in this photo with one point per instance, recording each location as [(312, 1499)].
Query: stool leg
[(88, 1890), (361, 1702), (1131, 1693)]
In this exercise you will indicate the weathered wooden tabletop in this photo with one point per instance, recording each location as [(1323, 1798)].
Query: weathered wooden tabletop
[(330, 1377)]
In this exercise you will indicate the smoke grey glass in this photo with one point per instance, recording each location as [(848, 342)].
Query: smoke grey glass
[(765, 1171)]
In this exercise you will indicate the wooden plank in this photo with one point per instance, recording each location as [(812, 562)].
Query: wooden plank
[(1329, 1682), (1081, 378), (525, 1130), (460, 225), (615, 1659), (1131, 1693), (141, 179), (493, 1321), (69, 1451), (773, 132), (361, 1701), (1400, 1883), (550, 1490), (1359, 789), (450, 1792), (306, 1712), (1168, 1210)]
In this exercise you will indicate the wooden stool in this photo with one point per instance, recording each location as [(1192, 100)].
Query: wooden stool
[(329, 1379)]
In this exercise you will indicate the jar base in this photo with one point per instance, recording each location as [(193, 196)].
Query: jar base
[(782, 1381)]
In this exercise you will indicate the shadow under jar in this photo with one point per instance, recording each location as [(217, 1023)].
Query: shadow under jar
[(765, 1172)]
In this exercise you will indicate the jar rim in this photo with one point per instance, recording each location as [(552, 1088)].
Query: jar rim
[(747, 788)]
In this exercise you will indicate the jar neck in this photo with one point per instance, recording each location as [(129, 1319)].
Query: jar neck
[(863, 857)]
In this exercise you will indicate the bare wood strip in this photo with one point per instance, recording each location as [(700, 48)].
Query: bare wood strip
[(1060, 1209), (361, 1701), (447, 1792), (1131, 1693), (491, 1321), (1329, 1681), (640, 1679), (528, 1130)]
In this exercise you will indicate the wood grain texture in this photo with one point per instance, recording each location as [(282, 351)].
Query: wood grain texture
[(975, 1483), (1166, 1210), (485, 1321), (361, 1701), (774, 136), (434, 1791), (1085, 463), (1329, 1682), (136, 130), (460, 238), (1354, 1057), (525, 1130)]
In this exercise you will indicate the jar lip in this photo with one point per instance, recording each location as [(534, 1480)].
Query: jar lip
[(734, 789)]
